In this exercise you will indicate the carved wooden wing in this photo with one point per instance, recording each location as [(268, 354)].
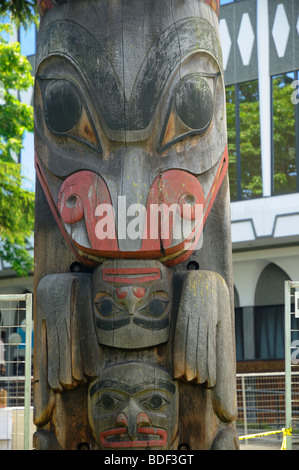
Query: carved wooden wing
[(68, 351), (203, 352)]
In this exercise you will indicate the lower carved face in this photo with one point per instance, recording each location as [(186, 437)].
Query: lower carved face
[(132, 303), (141, 414)]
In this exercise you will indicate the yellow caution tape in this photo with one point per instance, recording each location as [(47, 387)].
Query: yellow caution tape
[(284, 431)]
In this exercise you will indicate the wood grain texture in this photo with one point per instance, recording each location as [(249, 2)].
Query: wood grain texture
[(134, 334)]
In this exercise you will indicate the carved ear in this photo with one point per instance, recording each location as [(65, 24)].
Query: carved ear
[(203, 342), (65, 330)]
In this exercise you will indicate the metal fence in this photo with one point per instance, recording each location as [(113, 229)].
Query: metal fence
[(262, 408), (15, 371)]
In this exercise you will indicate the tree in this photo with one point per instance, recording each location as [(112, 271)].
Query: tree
[(22, 12), (284, 138), (249, 140), (16, 203)]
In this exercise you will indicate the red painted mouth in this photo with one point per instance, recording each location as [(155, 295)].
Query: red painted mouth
[(147, 437)]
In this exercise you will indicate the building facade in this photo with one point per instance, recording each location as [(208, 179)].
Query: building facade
[(260, 42)]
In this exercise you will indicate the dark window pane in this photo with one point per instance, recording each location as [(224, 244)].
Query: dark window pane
[(239, 333), (284, 141), (269, 332)]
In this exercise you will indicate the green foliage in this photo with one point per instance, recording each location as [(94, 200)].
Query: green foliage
[(284, 135), (250, 149), (284, 139), (23, 12), (16, 204)]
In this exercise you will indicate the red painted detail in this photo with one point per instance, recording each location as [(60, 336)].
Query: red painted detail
[(208, 204), (162, 433), (214, 4), (122, 292), (44, 5), (130, 275), (48, 194), (222, 169), (138, 292), (79, 197), (82, 192), (169, 188), (142, 419), (122, 419)]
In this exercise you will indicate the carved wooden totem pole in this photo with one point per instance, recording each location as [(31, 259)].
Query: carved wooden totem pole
[(134, 334)]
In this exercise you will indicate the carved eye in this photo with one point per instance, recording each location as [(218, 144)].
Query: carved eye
[(65, 112), (106, 307), (156, 307), (155, 402), (108, 402), (194, 103), (191, 110), (63, 106)]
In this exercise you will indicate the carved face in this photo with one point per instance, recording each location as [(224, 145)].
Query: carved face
[(134, 406), (132, 303), (124, 112)]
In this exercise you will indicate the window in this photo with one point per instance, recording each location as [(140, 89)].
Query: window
[(269, 332), (285, 142), (239, 333), (243, 128)]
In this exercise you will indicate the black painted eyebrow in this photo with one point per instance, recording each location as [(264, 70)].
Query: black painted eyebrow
[(108, 384)]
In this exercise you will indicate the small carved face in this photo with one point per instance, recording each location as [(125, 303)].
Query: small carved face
[(134, 406), (132, 303)]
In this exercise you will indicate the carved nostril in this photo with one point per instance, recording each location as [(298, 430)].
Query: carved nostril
[(122, 292), (138, 292), (122, 420), (143, 419)]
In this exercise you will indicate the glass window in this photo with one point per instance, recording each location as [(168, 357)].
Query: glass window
[(231, 141), (269, 332), (243, 132), (250, 144), (284, 138), (239, 333)]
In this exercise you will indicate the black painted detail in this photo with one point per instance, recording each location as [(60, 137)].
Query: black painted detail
[(152, 324), (76, 44), (62, 106), (109, 325), (194, 103)]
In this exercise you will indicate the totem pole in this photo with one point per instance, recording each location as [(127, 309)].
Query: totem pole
[(134, 331)]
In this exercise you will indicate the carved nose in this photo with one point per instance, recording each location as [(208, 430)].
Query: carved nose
[(130, 296), (122, 292), (143, 420), (132, 422), (129, 422)]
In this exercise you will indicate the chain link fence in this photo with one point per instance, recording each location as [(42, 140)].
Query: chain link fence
[(262, 408), (15, 372)]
